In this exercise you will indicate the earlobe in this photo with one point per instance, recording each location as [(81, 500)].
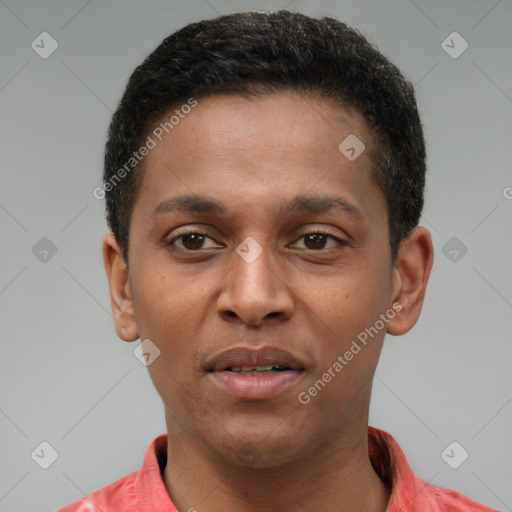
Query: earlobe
[(410, 278), (120, 292)]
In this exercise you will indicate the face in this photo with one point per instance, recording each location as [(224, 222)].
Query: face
[(258, 255)]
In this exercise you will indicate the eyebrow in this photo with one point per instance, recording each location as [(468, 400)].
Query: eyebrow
[(192, 203)]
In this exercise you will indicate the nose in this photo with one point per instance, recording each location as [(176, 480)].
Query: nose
[(255, 292)]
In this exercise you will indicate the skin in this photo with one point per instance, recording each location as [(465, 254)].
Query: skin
[(311, 299)]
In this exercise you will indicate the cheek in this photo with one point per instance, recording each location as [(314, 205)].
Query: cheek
[(161, 298), (346, 310), (164, 310), (347, 300), (167, 314)]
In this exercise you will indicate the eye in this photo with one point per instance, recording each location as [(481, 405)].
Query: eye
[(192, 241), (316, 240), (195, 241)]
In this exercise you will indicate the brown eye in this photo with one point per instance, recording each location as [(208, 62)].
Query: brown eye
[(317, 241), (192, 242)]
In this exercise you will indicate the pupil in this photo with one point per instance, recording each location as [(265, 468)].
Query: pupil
[(316, 238), (195, 239)]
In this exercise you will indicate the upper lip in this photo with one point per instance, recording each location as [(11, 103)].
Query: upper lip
[(250, 357)]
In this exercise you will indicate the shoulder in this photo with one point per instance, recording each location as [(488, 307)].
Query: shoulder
[(448, 500), (140, 491), (116, 497), (408, 491)]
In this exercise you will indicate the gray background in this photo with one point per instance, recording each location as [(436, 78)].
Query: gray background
[(67, 379)]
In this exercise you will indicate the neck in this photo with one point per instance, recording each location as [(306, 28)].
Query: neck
[(336, 477)]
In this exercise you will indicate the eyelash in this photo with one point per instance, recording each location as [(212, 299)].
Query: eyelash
[(170, 243)]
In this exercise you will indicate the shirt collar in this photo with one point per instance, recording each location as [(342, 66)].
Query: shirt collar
[(385, 454), (150, 488), (408, 492)]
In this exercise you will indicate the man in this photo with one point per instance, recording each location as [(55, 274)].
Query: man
[(264, 178)]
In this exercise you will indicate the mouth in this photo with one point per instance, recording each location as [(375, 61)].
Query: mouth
[(248, 374), (258, 370)]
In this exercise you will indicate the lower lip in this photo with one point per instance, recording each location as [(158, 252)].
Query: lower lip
[(255, 387)]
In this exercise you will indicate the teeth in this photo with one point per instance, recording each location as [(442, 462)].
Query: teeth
[(254, 370)]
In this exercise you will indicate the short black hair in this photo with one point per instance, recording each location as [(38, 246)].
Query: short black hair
[(262, 52)]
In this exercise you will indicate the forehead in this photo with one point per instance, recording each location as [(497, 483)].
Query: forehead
[(257, 150)]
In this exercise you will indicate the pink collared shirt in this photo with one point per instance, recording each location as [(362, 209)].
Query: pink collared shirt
[(145, 491)]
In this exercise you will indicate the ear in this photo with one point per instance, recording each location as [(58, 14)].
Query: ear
[(410, 278), (120, 292)]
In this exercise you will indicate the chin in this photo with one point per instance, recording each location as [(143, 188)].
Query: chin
[(258, 450)]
